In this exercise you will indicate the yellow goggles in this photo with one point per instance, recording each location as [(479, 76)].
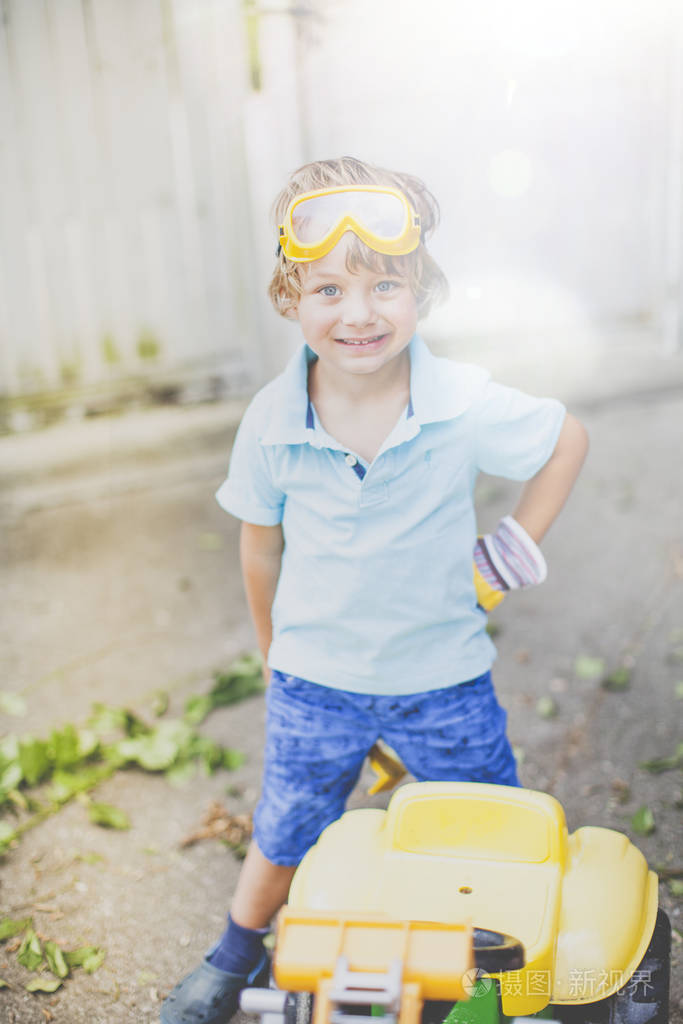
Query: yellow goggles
[(381, 217)]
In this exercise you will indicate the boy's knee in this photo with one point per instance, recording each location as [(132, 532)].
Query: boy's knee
[(285, 831)]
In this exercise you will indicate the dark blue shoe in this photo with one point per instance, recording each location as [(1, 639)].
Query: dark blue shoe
[(209, 995)]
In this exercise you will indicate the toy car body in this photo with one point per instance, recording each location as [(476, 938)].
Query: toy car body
[(584, 906)]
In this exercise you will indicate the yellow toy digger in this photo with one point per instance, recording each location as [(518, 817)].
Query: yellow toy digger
[(469, 904)]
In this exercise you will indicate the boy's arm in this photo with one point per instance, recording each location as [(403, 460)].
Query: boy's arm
[(509, 558), (261, 550), (544, 495)]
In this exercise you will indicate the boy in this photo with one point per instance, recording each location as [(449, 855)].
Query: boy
[(353, 474)]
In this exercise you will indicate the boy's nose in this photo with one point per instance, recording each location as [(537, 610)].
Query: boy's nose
[(358, 309)]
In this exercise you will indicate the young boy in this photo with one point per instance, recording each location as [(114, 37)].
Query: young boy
[(353, 474)]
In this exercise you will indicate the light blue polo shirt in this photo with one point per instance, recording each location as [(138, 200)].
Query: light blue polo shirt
[(375, 592)]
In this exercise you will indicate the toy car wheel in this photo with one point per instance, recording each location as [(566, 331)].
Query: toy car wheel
[(644, 999), (495, 952)]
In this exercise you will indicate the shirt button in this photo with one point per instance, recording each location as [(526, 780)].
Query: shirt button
[(350, 460)]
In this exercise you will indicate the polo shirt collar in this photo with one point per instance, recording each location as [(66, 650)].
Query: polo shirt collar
[(438, 391), (290, 420)]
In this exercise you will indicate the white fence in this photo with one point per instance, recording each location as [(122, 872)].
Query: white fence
[(124, 216), (137, 163)]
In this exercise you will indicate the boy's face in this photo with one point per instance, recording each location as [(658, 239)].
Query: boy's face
[(355, 321)]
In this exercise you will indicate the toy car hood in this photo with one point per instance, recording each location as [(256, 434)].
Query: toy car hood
[(583, 905)]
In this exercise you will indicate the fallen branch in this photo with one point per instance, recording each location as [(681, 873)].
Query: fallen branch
[(218, 823)]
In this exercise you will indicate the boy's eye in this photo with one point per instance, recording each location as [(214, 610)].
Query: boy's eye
[(386, 286), (329, 291)]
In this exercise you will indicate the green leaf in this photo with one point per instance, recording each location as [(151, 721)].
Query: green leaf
[(153, 753), (17, 798), (88, 743), (160, 703), (105, 719), (643, 821), (4, 984), (181, 772), (63, 747), (238, 850), (209, 754), (108, 816), (587, 667), (55, 960), (12, 704), (546, 707), (676, 886), (617, 680), (76, 957), (232, 759), (43, 984), (9, 927), (243, 679), (87, 957), (160, 748), (10, 777), (9, 749), (34, 759), (10, 768), (30, 953), (197, 708), (91, 963), (664, 764), (89, 858), (7, 836), (66, 784)]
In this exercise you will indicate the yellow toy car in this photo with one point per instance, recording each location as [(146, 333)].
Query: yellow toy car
[(463, 902)]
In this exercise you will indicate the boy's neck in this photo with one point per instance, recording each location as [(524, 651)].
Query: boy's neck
[(360, 412), (390, 383)]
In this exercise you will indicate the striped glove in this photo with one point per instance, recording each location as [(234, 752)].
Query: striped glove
[(506, 560)]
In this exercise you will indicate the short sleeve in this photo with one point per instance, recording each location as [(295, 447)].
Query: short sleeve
[(249, 492), (515, 433)]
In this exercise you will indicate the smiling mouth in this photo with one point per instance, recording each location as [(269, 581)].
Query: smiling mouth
[(361, 341)]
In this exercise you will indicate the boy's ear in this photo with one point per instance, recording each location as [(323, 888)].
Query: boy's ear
[(290, 308)]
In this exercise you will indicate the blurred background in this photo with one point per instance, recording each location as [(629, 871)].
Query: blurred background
[(143, 141), (141, 145)]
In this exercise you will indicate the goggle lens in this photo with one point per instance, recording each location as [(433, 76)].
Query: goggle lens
[(383, 214)]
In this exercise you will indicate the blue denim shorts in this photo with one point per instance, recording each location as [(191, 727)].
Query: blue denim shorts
[(317, 739)]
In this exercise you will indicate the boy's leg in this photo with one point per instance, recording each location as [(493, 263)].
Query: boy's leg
[(453, 734), (316, 741), (262, 889)]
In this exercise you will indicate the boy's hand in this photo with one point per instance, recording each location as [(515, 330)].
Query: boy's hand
[(261, 550), (506, 560), (487, 597)]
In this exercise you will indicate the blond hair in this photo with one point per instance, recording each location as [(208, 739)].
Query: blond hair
[(424, 276)]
